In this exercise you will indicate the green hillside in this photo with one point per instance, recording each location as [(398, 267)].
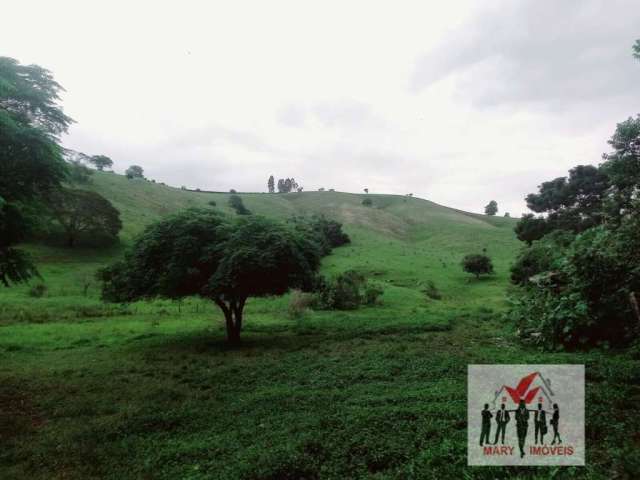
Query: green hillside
[(151, 390)]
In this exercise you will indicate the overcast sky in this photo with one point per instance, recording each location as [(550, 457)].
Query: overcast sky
[(459, 102)]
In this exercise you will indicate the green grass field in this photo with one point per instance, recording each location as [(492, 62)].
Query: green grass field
[(151, 390)]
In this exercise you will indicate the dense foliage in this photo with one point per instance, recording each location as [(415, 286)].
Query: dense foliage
[(580, 274), (203, 253), (31, 160), (346, 291)]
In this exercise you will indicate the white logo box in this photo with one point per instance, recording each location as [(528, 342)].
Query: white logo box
[(545, 385)]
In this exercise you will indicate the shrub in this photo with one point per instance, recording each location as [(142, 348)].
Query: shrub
[(347, 291), (542, 256), (326, 233), (477, 264), (299, 304), (431, 291), (38, 290), (589, 298), (237, 204), (372, 294), (367, 202), (212, 203)]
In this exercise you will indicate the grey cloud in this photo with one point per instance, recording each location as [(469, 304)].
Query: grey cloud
[(560, 53)]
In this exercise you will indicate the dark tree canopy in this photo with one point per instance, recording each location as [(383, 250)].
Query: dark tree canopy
[(85, 213), (31, 160), (574, 203), (477, 264), (636, 49), (491, 208), (271, 184), (530, 228), (101, 162), (134, 171), (204, 253)]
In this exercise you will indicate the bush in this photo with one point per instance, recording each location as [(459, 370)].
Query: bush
[(588, 299), (38, 290), (236, 203), (372, 294), (367, 202), (477, 264), (542, 256), (299, 304), (347, 291), (431, 291), (212, 203), (326, 233)]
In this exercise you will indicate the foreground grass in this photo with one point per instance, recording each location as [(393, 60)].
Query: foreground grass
[(142, 396)]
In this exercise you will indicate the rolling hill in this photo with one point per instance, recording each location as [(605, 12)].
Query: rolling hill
[(151, 390)]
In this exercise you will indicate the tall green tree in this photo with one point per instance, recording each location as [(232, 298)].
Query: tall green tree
[(201, 252), (31, 159), (636, 49), (271, 184)]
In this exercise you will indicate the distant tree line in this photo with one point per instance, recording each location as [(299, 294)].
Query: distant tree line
[(284, 185)]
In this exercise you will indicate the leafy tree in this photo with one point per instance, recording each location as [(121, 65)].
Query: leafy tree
[(31, 159), (530, 228), (326, 233), (29, 95), (491, 208), (574, 203), (507, 215), (271, 184), (622, 166), (101, 162), (237, 204), (85, 213), (636, 49), (477, 264), (203, 253), (134, 171)]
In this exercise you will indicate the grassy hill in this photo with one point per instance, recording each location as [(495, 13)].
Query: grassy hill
[(150, 390)]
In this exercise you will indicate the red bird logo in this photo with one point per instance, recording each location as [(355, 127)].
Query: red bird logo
[(520, 391)]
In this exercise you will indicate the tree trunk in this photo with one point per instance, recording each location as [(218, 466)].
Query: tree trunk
[(233, 318)]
